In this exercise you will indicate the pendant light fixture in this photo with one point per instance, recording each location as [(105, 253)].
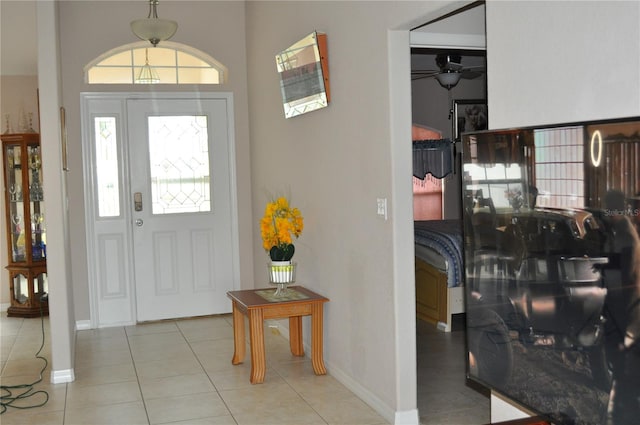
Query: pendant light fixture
[(147, 74), (448, 79), (152, 28)]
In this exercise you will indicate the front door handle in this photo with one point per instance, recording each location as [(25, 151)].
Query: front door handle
[(139, 222)]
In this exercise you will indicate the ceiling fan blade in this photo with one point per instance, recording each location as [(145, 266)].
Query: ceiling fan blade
[(479, 68), (420, 77), (425, 71), (420, 74), (470, 75)]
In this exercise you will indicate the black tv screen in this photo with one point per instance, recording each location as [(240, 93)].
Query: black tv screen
[(551, 220)]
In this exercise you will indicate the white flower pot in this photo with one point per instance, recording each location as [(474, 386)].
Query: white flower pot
[(282, 271)]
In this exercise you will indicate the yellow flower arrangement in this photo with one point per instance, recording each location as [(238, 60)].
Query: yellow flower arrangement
[(278, 227)]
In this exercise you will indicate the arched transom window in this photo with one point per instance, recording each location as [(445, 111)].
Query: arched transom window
[(168, 63)]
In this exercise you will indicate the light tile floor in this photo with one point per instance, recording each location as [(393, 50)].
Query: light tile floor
[(444, 396), (176, 372), (179, 372)]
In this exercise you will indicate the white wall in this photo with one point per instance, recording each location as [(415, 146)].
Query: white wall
[(61, 303), (550, 62), (19, 99), (19, 53), (553, 62)]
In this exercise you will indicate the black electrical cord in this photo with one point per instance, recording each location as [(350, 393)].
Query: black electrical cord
[(8, 399)]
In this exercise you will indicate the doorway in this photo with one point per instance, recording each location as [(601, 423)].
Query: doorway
[(441, 355), (161, 220)]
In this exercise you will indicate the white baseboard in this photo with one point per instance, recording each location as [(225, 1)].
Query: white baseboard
[(407, 417), (365, 395), (4, 306), (443, 327), (83, 325), (62, 376)]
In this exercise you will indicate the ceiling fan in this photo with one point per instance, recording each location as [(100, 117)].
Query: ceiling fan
[(450, 71)]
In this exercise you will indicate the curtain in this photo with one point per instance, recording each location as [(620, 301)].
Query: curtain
[(433, 157)]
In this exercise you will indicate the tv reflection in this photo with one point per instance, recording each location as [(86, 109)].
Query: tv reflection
[(552, 258)]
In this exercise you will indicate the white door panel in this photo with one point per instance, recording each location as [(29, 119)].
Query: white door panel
[(181, 159)]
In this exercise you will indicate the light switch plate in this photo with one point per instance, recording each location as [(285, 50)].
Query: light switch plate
[(382, 207)]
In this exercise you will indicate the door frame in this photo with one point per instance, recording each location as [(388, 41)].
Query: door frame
[(115, 104)]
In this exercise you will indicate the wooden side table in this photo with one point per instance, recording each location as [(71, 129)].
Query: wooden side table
[(259, 305)]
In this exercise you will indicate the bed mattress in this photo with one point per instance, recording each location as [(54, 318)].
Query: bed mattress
[(444, 237), (431, 256)]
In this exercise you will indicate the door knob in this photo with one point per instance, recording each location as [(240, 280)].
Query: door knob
[(139, 222)]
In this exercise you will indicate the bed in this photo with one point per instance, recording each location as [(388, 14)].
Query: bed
[(439, 271)]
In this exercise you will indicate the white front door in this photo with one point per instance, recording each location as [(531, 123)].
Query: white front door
[(174, 236), (182, 238)]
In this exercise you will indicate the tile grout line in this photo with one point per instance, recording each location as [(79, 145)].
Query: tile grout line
[(135, 369), (207, 374), (302, 397), (13, 345)]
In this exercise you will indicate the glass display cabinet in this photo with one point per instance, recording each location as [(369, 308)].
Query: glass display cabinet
[(25, 223)]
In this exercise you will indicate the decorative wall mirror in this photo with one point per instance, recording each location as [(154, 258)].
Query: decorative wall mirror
[(304, 75)]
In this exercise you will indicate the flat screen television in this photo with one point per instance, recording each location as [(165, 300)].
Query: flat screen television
[(551, 218)]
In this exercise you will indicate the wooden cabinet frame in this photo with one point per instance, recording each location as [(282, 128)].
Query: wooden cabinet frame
[(24, 215)]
